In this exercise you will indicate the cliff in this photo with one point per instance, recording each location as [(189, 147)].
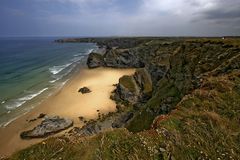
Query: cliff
[(182, 103)]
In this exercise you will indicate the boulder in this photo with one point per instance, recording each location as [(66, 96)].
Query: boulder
[(84, 90), (95, 60), (127, 89), (135, 88), (47, 127)]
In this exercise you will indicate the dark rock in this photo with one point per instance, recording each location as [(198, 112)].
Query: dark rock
[(134, 88), (95, 60), (127, 89), (84, 90), (120, 58), (122, 120), (81, 118), (87, 130), (120, 107), (144, 81), (47, 127), (116, 58), (32, 120), (157, 72), (41, 115)]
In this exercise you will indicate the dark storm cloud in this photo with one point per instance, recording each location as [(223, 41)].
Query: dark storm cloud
[(120, 17), (221, 14), (223, 10)]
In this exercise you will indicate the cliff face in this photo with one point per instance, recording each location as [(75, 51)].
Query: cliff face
[(184, 104), (116, 58), (95, 60), (134, 89), (186, 68)]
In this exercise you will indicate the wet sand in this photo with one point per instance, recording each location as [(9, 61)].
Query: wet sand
[(67, 102)]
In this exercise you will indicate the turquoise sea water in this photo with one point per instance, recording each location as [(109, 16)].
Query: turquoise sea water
[(31, 69)]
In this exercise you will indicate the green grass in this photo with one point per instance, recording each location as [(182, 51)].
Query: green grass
[(203, 125), (141, 121), (117, 144)]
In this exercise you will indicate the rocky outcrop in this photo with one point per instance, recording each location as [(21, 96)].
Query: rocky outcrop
[(122, 120), (144, 81), (135, 88), (93, 127), (127, 89), (116, 58), (122, 59), (87, 130), (95, 60), (47, 127), (84, 90)]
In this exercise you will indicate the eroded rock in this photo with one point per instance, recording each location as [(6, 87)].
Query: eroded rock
[(47, 127), (135, 88), (127, 89), (116, 58), (122, 120), (95, 60), (119, 58)]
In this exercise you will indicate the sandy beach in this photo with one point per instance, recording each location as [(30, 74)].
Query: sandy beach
[(67, 102)]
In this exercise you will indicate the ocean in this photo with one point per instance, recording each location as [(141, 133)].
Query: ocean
[(31, 69)]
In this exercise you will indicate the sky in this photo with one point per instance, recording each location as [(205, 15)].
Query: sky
[(119, 18)]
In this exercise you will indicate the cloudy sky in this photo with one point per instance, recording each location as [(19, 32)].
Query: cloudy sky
[(119, 17)]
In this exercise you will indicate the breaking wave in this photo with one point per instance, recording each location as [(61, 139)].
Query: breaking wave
[(20, 101)]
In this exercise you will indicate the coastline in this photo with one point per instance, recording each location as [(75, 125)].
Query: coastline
[(42, 81), (66, 102)]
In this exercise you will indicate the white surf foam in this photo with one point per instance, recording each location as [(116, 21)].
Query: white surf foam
[(31, 96), (7, 123), (56, 69), (14, 104), (89, 51), (77, 55), (63, 83), (84, 53), (76, 59), (60, 76), (52, 81), (20, 101)]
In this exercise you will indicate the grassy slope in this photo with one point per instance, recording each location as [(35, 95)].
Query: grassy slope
[(204, 117)]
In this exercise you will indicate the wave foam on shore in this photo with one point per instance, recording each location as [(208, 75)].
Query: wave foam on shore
[(57, 69), (20, 101)]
